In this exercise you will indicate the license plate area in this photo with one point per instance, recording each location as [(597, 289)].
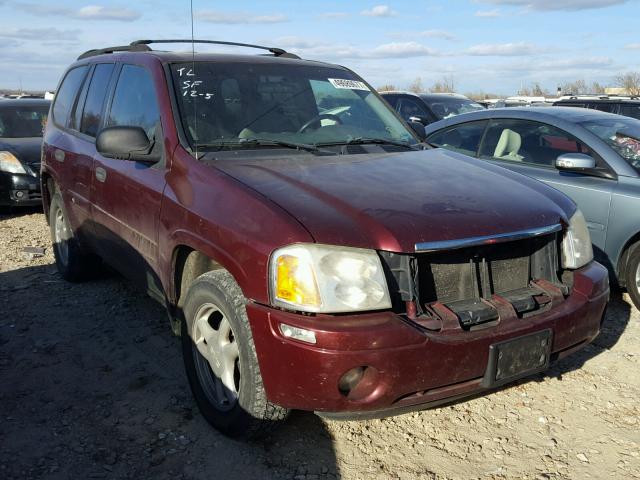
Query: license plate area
[(517, 358)]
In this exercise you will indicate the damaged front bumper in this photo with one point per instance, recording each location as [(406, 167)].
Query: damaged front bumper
[(401, 366)]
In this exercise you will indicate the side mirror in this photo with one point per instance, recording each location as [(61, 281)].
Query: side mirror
[(419, 119), (575, 161), (418, 129), (125, 143)]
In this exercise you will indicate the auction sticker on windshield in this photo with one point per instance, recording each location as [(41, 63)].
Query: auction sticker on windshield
[(348, 84)]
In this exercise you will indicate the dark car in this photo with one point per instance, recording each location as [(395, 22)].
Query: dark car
[(427, 108), (592, 156), (627, 106), (21, 126), (311, 253)]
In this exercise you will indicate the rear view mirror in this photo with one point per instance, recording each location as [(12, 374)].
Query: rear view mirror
[(418, 129), (125, 143), (575, 161), (419, 119)]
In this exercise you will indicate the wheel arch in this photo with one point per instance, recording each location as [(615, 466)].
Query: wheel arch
[(188, 264), (47, 187), (629, 246)]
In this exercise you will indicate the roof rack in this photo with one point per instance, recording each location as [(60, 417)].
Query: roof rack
[(143, 46), (120, 48), (598, 97)]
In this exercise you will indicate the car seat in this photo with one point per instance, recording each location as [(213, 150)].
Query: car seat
[(509, 146)]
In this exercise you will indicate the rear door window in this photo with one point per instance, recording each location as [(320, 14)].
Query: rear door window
[(67, 94), (92, 113), (408, 107), (464, 138), (134, 101)]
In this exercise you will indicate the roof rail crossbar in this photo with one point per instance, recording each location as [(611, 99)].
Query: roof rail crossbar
[(278, 52), (120, 48)]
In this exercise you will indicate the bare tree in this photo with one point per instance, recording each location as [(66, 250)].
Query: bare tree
[(533, 90), (597, 88), (629, 81), (387, 87), (481, 95), (576, 87), (445, 85), (416, 86)]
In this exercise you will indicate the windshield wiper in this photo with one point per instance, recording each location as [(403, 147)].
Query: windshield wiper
[(367, 140), (266, 142)]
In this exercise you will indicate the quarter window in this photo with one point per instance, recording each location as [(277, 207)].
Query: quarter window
[(134, 101), (92, 114), (464, 138), (66, 95)]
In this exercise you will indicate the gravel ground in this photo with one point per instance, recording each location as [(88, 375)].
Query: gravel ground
[(92, 386)]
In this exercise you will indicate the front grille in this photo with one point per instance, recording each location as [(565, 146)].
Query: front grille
[(481, 271), (466, 281)]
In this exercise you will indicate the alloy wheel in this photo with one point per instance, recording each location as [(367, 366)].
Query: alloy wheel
[(216, 356)]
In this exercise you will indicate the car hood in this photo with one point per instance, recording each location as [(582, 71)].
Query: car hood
[(391, 201), (27, 150)]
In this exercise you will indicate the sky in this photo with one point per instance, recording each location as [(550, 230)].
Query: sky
[(491, 46)]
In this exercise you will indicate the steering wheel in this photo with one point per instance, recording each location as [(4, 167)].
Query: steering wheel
[(317, 119)]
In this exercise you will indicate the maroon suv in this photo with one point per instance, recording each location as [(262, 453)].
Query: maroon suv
[(311, 252)]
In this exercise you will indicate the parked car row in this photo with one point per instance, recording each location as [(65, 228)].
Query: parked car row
[(312, 251)]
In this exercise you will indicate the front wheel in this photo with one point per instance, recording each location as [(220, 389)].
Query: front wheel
[(220, 359), (632, 279)]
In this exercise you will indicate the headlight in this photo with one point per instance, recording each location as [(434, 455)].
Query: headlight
[(576, 244), (9, 163), (327, 279)]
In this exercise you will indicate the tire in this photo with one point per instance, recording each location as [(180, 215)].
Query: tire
[(73, 263), (226, 384), (632, 276)]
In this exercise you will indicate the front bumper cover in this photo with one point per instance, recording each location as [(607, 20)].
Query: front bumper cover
[(414, 369)]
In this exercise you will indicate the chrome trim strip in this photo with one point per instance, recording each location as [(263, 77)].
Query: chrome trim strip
[(486, 240)]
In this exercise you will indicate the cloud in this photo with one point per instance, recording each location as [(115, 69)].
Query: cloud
[(441, 34), (44, 34), (99, 12), (559, 65), (293, 42), (325, 51), (400, 50), (237, 18), (88, 12), (502, 49), (437, 34), (632, 46), (562, 5), (331, 15), (379, 11), (488, 13)]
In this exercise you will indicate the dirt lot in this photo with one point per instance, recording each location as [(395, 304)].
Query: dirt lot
[(92, 386)]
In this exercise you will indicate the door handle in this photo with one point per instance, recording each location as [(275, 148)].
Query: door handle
[(101, 174)]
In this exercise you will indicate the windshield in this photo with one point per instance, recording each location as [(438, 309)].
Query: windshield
[(22, 121), (232, 105), (622, 134), (446, 106)]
